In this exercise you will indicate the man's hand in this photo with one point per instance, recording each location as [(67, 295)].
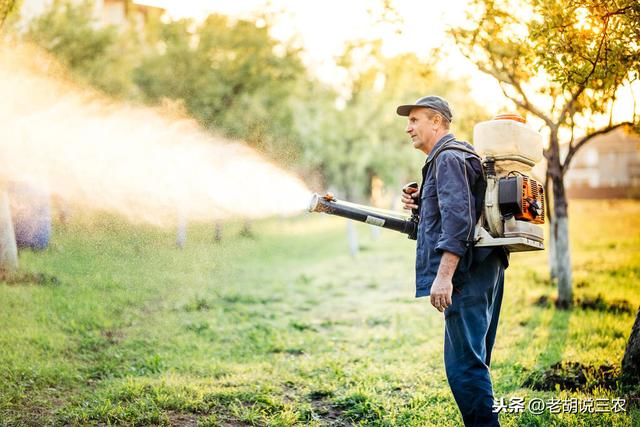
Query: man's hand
[(409, 197), (441, 291), (442, 287)]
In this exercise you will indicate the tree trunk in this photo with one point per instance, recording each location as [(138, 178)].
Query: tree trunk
[(551, 244), (181, 231), (561, 262), (631, 359), (246, 229), (352, 237), (551, 249), (217, 236), (8, 247)]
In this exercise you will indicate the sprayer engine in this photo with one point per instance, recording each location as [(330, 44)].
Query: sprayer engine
[(521, 197), (514, 204)]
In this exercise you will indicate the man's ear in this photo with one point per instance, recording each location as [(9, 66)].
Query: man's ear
[(437, 120)]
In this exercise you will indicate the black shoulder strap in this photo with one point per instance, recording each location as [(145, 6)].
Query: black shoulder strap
[(454, 146), (446, 146)]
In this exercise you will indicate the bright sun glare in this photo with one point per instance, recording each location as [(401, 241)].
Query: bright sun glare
[(583, 21)]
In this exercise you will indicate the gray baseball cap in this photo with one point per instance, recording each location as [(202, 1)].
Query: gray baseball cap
[(431, 101)]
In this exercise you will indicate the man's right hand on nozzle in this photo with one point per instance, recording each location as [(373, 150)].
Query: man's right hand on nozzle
[(410, 197)]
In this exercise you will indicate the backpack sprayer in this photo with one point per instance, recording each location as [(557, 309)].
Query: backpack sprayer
[(513, 206)]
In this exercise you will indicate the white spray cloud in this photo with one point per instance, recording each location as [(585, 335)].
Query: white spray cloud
[(136, 161)]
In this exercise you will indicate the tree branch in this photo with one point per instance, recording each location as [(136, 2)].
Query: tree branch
[(547, 198), (573, 127), (617, 12), (529, 106), (583, 84), (524, 102), (573, 149)]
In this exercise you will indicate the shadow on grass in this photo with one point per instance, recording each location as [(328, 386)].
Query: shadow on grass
[(28, 278), (586, 302), (573, 376)]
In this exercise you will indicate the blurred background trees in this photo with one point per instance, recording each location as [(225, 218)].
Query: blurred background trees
[(100, 56), (234, 78), (231, 75)]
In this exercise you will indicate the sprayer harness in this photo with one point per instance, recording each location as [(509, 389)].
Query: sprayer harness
[(478, 189)]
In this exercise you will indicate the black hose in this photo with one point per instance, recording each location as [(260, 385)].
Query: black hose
[(363, 213)]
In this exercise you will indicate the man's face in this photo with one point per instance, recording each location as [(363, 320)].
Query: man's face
[(422, 129)]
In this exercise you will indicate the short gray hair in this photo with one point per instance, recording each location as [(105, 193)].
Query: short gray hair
[(431, 113)]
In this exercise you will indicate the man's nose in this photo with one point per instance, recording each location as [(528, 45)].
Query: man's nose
[(408, 128)]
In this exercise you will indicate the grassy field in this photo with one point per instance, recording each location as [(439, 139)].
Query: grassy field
[(115, 325)]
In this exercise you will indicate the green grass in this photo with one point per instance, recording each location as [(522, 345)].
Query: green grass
[(114, 325)]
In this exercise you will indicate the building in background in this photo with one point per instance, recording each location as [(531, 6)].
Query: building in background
[(107, 12), (606, 167), (120, 12)]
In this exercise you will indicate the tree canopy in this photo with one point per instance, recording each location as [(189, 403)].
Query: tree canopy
[(554, 59)]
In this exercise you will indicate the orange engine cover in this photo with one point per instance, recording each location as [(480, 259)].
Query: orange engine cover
[(532, 201), (521, 197)]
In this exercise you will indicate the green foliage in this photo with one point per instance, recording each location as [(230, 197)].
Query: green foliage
[(100, 56), (231, 75), (67, 31), (577, 53)]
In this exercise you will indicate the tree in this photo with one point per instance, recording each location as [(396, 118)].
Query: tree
[(631, 359), (101, 56), (6, 7), (231, 75), (564, 63)]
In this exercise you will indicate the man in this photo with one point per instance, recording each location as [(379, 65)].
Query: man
[(465, 283)]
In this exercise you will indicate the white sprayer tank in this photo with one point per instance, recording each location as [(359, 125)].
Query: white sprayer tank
[(508, 138)]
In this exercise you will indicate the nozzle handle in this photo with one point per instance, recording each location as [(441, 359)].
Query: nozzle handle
[(412, 184)]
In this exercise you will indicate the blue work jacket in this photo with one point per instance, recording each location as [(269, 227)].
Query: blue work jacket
[(449, 211)]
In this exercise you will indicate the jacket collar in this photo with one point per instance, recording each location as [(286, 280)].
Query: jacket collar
[(447, 138)]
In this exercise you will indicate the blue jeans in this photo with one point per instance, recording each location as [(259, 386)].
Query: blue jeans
[(470, 330)]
